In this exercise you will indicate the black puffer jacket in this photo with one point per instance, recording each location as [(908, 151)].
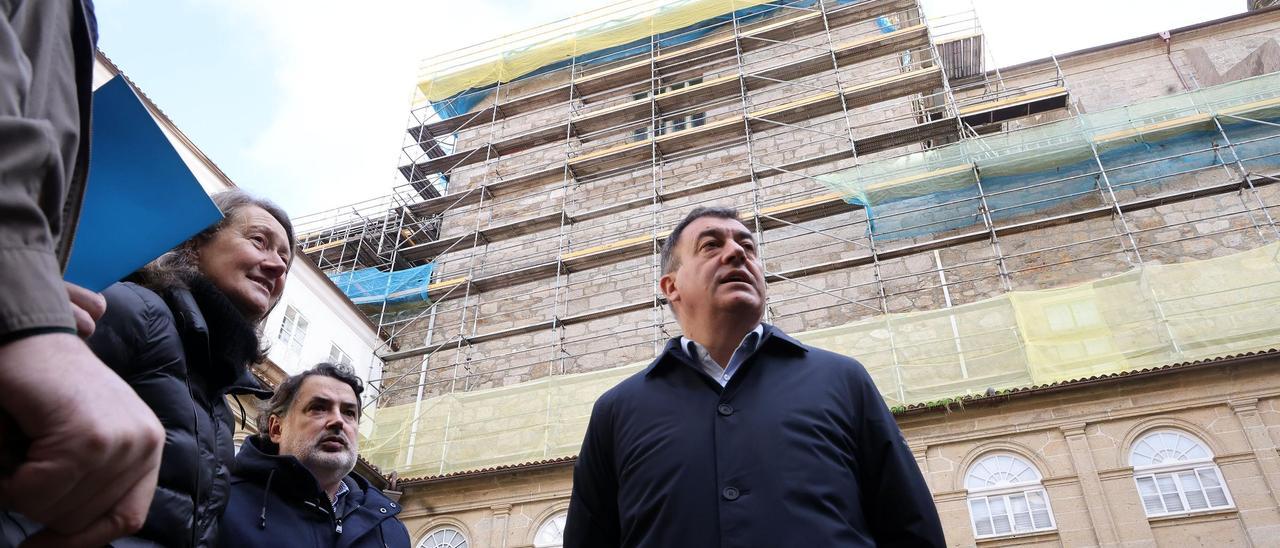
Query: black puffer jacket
[(183, 354)]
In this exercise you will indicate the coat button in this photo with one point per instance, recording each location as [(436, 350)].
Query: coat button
[(731, 493), (725, 409)]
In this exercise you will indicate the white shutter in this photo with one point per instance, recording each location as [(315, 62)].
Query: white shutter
[(1000, 516), (981, 516), (1150, 495), (1169, 492), (1192, 491), (1213, 487), (1039, 509), (1021, 513)]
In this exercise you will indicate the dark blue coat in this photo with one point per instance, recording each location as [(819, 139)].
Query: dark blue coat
[(275, 502), (797, 450)]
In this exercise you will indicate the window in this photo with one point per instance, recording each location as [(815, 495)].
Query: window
[(551, 534), (336, 355), (1006, 498), (1175, 474), (670, 124), (293, 330), (444, 537)]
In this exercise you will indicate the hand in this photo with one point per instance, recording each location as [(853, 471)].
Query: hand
[(90, 468), (87, 307)]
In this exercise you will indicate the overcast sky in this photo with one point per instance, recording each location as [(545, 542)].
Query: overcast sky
[(305, 101)]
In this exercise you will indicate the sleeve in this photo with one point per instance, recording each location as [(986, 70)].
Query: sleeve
[(593, 507), (898, 504), (130, 336), (33, 299)]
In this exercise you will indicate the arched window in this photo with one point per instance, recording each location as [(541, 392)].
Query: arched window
[(1006, 497), (551, 533), (1175, 474), (444, 537)]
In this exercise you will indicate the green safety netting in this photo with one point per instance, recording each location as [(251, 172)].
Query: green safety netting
[(1031, 170)]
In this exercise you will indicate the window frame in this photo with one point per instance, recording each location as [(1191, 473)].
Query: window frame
[(422, 542), (1173, 471), (561, 516), (293, 330), (343, 357), (1006, 493), (669, 124)]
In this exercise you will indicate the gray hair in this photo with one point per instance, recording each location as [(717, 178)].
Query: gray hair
[(668, 259), (177, 266)]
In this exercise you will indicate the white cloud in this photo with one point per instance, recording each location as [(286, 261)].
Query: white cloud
[(346, 74), (346, 77)]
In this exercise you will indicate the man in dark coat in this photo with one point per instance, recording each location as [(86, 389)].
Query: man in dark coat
[(293, 484), (79, 450), (739, 435)]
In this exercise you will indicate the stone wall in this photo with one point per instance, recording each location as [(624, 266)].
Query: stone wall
[(1049, 256), (1078, 439)]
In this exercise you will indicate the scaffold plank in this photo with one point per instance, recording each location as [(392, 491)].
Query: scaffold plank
[(635, 72), (1017, 106), (606, 248)]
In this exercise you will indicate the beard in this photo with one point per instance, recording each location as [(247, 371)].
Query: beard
[(327, 464)]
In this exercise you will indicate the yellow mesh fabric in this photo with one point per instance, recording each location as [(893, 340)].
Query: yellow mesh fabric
[(1147, 317), (519, 54)]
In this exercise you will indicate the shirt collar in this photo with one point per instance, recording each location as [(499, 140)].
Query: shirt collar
[(337, 497), (692, 347), (674, 353)]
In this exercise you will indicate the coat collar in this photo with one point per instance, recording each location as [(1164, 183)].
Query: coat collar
[(773, 338), (260, 462), (220, 344)]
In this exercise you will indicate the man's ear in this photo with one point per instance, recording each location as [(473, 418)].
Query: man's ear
[(667, 283), (274, 425)]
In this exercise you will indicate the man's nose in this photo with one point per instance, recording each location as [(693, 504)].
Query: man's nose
[(733, 253), (333, 419)]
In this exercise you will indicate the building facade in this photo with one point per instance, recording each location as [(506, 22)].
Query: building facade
[(1062, 274), (314, 321)]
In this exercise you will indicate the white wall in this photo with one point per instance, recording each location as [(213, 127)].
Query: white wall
[(332, 319)]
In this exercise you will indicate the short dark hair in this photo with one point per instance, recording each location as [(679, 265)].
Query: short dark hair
[(280, 402), (668, 258)]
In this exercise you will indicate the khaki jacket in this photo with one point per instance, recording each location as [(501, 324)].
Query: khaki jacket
[(46, 78)]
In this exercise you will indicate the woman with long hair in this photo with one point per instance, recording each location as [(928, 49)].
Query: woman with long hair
[(183, 332)]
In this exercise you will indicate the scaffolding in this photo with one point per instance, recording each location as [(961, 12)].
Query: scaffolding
[(885, 170)]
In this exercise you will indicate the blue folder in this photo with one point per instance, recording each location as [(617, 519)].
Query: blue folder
[(141, 199)]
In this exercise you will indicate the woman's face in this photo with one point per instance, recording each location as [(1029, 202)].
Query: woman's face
[(248, 260)]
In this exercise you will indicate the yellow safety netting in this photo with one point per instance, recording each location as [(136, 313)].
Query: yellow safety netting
[(518, 54), (1147, 317)]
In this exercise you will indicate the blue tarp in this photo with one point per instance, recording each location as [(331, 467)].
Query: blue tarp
[(371, 286), (1145, 166)]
